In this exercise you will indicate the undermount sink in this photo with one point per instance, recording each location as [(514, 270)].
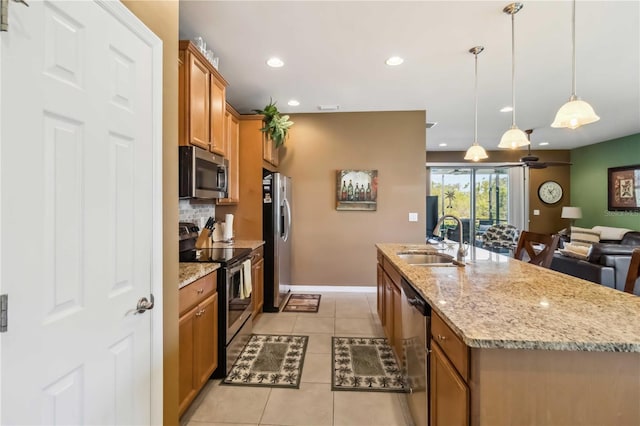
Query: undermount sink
[(427, 259)]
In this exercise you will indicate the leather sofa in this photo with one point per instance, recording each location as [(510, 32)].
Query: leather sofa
[(607, 263)]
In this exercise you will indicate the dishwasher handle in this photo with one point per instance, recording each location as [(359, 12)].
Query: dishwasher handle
[(414, 299)]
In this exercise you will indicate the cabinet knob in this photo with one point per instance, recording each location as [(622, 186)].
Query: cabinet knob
[(441, 337), (200, 290)]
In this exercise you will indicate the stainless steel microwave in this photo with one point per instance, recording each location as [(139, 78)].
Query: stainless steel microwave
[(202, 174)]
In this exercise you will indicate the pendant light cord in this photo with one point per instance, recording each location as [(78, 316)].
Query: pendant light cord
[(573, 44), (513, 70), (475, 129)]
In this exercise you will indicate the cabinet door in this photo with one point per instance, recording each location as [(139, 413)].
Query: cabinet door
[(449, 398), (257, 277), (205, 340), (380, 285), (186, 359), (217, 121), (388, 308), (199, 103), (397, 323), (232, 137)]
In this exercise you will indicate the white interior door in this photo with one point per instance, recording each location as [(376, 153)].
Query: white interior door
[(80, 215)]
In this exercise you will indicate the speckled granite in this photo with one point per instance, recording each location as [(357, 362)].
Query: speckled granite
[(189, 272), (499, 302), (252, 244)]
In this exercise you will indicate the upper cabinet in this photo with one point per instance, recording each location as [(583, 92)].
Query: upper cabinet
[(270, 153), (232, 140), (201, 98)]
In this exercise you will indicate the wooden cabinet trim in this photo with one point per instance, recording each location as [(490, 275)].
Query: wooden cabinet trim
[(189, 46), (392, 272)]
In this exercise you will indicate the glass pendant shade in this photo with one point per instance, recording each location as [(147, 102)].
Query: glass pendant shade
[(574, 114), (513, 138), (475, 153)]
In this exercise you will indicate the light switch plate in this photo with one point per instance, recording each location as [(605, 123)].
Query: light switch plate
[(413, 217), (536, 212)]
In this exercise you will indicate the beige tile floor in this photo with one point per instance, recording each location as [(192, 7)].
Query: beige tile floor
[(340, 314)]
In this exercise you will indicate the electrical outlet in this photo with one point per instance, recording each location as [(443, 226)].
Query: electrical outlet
[(413, 217)]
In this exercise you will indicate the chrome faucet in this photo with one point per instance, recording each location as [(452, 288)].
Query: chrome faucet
[(436, 232)]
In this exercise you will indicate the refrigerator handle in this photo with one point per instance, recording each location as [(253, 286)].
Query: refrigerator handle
[(287, 222)]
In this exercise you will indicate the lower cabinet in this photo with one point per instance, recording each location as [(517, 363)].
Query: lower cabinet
[(257, 280), (449, 405), (389, 301), (198, 337)]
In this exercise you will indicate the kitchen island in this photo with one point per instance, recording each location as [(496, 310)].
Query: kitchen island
[(527, 345)]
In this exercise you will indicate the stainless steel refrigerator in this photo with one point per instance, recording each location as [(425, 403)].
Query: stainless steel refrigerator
[(276, 232)]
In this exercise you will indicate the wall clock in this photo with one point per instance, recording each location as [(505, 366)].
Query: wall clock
[(550, 192)]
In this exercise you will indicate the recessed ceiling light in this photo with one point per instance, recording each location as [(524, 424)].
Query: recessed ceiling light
[(442, 144), (394, 60), (293, 102), (275, 62), (507, 109), (543, 143)]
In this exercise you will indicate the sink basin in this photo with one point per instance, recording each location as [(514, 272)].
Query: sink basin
[(427, 259)]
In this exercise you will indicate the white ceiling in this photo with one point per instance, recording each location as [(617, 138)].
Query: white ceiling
[(334, 53)]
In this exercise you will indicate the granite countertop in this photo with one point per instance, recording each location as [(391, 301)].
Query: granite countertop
[(498, 302), (251, 244), (189, 272)]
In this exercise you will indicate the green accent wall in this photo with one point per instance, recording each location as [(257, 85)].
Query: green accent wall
[(589, 181)]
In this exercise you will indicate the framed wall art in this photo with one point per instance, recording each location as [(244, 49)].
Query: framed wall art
[(624, 188), (356, 190)]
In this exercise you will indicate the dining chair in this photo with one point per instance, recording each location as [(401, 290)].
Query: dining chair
[(634, 271), (529, 244)]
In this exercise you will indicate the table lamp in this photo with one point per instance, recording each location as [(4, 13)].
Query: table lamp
[(571, 213)]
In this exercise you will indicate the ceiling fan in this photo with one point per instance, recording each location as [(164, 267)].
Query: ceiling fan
[(533, 161)]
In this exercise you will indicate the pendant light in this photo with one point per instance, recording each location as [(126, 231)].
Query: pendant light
[(475, 151), (576, 112), (514, 137)]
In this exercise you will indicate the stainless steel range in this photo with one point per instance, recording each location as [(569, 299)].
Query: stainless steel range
[(234, 311)]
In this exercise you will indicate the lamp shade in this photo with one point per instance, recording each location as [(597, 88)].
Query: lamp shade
[(574, 114), (475, 153), (513, 138), (571, 213)]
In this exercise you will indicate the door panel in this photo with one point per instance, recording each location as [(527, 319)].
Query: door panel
[(79, 223)]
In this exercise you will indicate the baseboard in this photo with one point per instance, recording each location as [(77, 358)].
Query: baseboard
[(333, 288)]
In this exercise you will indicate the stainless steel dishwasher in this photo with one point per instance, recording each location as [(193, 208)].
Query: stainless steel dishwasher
[(416, 326)]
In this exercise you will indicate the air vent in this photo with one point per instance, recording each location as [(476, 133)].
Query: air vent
[(328, 107), (430, 125)]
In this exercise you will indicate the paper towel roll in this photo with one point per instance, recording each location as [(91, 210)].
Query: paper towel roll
[(228, 227)]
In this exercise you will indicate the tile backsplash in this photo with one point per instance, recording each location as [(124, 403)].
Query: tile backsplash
[(197, 212)]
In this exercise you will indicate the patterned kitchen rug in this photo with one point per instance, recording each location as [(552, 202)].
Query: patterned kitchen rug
[(303, 303), (364, 364), (271, 361)]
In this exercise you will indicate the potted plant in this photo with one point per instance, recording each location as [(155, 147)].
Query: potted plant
[(276, 126)]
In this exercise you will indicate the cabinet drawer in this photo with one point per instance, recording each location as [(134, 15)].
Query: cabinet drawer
[(192, 294), (256, 255), (454, 348)]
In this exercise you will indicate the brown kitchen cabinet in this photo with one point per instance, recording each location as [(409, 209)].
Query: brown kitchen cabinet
[(257, 279), (449, 364), (270, 153), (201, 101), (389, 302), (198, 337), (232, 138)]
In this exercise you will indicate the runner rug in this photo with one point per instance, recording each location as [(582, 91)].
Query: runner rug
[(364, 364), (271, 361), (303, 303)]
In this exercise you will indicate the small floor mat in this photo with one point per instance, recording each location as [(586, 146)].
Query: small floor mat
[(303, 303), (271, 361), (364, 364)]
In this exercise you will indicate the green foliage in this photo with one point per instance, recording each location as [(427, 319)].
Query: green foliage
[(276, 126)]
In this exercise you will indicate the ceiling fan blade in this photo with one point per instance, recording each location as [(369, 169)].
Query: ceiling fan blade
[(536, 164)]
